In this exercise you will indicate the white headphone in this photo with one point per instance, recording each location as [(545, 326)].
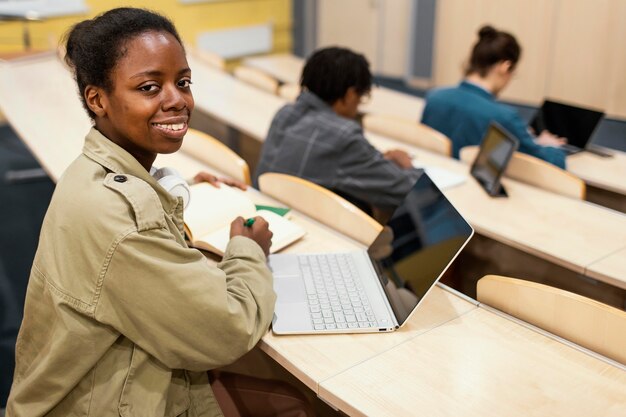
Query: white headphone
[(173, 183)]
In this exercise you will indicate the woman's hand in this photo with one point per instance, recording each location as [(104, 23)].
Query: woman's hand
[(548, 139), (258, 231), (400, 158), (215, 181)]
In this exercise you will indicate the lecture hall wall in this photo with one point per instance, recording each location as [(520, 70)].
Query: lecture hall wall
[(573, 50), (190, 19)]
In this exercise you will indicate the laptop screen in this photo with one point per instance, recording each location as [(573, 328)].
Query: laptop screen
[(574, 123), (422, 239), (495, 151)]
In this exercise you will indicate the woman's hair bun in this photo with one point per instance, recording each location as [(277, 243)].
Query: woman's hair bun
[(486, 32)]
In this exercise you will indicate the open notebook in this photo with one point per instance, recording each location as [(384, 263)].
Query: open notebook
[(211, 211)]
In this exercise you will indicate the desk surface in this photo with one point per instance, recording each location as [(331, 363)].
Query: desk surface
[(611, 269), (315, 358), (565, 231), (287, 68), (479, 364), (606, 173), (39, 98)]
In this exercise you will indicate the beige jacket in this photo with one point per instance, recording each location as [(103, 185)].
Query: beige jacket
[(121, 317)]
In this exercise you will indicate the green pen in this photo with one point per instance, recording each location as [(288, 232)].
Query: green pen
[(249, 222)]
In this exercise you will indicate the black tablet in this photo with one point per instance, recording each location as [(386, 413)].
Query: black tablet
[(493, 157)]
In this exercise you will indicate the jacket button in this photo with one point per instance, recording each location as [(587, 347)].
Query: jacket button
[(120, 178)]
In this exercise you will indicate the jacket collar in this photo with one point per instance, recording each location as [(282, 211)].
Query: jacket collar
[(117, 160), (466, 85), (308, 99)]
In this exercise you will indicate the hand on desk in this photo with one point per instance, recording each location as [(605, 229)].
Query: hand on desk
[(215, 181), (549, 139), (259, 232), (400, 158)]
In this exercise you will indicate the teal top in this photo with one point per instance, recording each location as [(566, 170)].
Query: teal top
[(463, 113)]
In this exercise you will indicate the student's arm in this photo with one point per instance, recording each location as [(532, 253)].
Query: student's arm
[(514, 124), (189, 315), (364, 173)]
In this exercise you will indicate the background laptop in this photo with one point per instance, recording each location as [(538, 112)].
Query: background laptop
[(494, 155), (577, 124), (374, 290)]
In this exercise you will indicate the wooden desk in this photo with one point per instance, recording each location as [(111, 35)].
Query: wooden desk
[(40, 100), (605, 177), (564, 231), (315, 358), (287, 68), (611, 269), (605, 173), (479, 364)]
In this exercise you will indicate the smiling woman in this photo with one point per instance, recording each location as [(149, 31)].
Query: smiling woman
[(147, 107), (121, 317)]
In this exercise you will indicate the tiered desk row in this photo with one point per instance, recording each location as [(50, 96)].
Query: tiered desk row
[(602, 173)]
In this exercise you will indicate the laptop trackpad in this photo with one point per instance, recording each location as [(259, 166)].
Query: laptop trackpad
[(290, 289), (291, 313)]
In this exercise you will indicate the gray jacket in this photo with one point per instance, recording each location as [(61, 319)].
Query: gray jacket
[(309, 140)]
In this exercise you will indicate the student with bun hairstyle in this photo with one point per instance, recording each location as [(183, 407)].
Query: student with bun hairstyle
[(463, 113), (121, 317)]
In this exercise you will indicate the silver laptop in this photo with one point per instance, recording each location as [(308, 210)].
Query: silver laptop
[(374, 290)]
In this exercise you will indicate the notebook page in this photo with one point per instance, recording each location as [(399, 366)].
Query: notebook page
[(212, 208)]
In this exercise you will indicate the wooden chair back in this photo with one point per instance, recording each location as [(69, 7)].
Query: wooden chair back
[(322, 205), (408, 131), (537, 172), (588, 323), (256, 78), (289, 92), (208, 57), (216, 154)]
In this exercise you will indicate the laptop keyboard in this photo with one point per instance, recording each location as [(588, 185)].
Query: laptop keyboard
[(335, 294)]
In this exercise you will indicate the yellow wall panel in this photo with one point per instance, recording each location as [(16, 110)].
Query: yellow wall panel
[(572, 50), (190, 20)]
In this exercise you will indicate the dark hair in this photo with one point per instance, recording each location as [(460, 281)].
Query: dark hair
[(93, 47), (493, 46), (329, 72)]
